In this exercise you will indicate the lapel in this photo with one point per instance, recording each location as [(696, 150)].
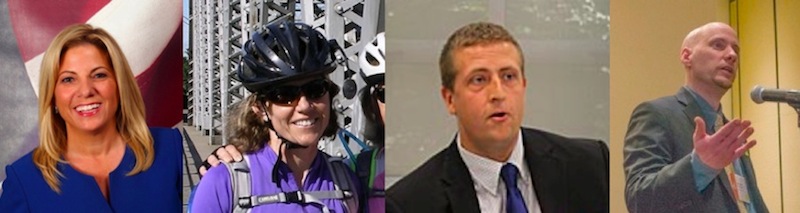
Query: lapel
[(692, 109), (547, 171), (457, 182)]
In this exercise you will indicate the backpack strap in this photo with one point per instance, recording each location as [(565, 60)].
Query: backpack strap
[(303, 197), (363, 167), (240, 184), (244, 201), (365, 173), (342, 181)]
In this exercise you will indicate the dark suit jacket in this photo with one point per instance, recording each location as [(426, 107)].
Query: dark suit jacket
[(658, 172), (569, 175)]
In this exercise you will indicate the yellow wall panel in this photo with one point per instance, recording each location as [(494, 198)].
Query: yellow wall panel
[(757, 66), (731, 100), (770, 39), (788, 44)]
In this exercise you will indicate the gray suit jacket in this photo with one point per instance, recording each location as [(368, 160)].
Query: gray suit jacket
[(658, 171)]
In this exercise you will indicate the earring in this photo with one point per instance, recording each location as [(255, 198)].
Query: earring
[(56, 109)]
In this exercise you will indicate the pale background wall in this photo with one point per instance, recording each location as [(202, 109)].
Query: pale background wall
[(646, 38)]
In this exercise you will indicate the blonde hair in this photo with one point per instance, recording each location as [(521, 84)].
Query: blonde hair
[(130, 112)]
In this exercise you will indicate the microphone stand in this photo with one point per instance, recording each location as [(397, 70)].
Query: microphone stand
[(796, 109)]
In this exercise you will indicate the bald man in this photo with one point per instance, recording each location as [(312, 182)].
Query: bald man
[(681, 154)]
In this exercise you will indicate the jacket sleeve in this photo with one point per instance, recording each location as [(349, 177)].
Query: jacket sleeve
[(657, 180), (13, 197)]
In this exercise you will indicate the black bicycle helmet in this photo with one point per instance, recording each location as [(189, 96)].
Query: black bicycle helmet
[(285, 51)]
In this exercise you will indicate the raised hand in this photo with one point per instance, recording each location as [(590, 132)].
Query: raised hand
[(724, 146)]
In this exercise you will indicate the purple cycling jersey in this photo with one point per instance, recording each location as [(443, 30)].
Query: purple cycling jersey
[(214, 190)]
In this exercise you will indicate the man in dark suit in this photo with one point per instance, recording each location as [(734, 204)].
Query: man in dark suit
[(494, 164), (680, 153)]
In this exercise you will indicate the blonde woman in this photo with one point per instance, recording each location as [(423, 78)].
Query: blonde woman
[(96, 153)]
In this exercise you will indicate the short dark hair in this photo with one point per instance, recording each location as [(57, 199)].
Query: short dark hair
[(478, 33)]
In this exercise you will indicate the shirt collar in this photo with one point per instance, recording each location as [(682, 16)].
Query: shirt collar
[(485, 172)]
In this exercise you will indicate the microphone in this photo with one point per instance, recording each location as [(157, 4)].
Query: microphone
[(759, 95)]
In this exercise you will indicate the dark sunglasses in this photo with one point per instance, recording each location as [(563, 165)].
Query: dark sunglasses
[(288, 94), (380, 93)]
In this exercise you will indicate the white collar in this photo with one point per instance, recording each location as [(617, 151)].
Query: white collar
[(485, 172)]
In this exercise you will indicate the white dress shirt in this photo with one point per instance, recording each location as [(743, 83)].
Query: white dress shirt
[(489, 187)]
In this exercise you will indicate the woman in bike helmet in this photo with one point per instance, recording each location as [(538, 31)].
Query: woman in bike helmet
[(278, 128), (370, 164)]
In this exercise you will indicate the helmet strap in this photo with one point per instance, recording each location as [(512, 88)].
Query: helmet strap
[(289, 145)]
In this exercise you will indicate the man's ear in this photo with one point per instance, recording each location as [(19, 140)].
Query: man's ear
[(447, 96), (686, 55)]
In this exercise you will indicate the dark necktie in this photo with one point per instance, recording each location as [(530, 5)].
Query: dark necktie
[(514, 201)]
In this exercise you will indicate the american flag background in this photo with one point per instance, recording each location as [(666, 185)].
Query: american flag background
[(148, 31)]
